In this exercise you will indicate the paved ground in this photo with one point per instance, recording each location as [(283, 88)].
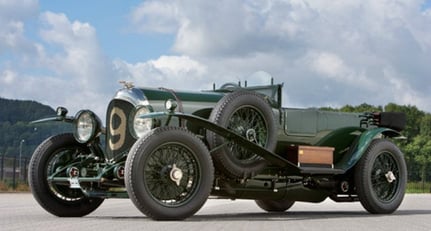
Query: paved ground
[(21, 212)]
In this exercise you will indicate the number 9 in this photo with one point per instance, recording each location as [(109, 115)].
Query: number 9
[(119, 131)]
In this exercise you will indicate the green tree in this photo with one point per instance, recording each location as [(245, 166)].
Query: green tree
[(361, 108), (414, 118), (425, 125), (420, 150)]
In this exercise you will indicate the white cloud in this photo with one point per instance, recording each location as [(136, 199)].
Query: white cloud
[(72, 53), (156, 16), (59, 29), (179, 65), (8, 77), (327, 53), (13, 15), (401, 89), (185, 72), (65, 67), (12, 33), (334, 52), (18, 10), (78, 56), (329, 64)]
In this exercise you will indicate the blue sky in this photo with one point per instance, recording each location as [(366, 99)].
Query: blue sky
[(327, 53), (110, 18)]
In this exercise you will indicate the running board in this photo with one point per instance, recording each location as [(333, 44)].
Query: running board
[(321, 171)]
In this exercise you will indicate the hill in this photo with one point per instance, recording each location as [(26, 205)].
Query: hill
[(15, 128), (13, 111)]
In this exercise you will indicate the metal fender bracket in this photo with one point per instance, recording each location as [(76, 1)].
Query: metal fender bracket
[(73, 177), (74, 182)]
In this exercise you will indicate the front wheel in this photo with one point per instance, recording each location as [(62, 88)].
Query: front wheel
[(169, 174), (58, 199), (381, 177)]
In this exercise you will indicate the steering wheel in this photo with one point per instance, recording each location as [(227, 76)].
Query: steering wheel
[(230, 86)]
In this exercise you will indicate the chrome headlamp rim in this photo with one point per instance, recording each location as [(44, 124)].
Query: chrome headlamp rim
[(87, 125), (171, 105), (141, 126)]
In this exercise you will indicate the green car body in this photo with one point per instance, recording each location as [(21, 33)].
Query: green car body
[(195, 145)]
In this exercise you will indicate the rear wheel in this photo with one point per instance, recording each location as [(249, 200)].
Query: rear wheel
[(381, 177), (275, 205), (249, 115), (58, 198), (169, 174)]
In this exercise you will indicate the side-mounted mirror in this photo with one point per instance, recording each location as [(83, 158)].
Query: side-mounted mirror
[(61, 111)]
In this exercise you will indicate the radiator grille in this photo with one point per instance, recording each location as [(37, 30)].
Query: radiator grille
[(118, 135)]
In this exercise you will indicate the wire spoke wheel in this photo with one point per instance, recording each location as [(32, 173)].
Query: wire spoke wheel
[(169, 173), (384, 177), (381, 177), (63, 157), (249, 123), (54, 157), (172, 174)]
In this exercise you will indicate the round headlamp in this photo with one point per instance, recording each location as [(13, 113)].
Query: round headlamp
[(142, 126), (86, 125), (171, 105)]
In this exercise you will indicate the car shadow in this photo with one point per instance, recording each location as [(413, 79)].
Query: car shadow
[(302, 215), (286, 216)]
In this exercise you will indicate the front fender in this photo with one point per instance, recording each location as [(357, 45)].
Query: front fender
[(361, 144), (61, 116), (53, 119)]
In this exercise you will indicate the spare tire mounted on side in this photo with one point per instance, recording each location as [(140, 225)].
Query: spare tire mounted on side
[(249, 115)]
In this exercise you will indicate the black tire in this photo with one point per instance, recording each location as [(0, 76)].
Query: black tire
[(59, 200), (275, 206), (381, 177), (169, 174), (245, 113)]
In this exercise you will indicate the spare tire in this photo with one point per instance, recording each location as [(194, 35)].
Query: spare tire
[(249, 115)]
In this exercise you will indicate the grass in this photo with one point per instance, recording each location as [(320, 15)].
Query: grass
[(8, 187), (418, 187)]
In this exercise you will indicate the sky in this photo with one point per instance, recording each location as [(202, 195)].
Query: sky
[(327, 53)]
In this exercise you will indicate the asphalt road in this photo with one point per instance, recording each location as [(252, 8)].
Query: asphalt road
[(21, 212)]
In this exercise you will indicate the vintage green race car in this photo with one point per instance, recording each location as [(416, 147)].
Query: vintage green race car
[(169, 151)]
